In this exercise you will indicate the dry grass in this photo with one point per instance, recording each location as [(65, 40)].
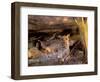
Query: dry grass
[(83, 27)]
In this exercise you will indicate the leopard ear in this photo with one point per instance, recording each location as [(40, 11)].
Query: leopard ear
[(68, 35)]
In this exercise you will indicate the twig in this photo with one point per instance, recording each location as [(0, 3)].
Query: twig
[(52, 37)]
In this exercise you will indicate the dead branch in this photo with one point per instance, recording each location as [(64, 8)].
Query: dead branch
[(33, 38), (52, 37)]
